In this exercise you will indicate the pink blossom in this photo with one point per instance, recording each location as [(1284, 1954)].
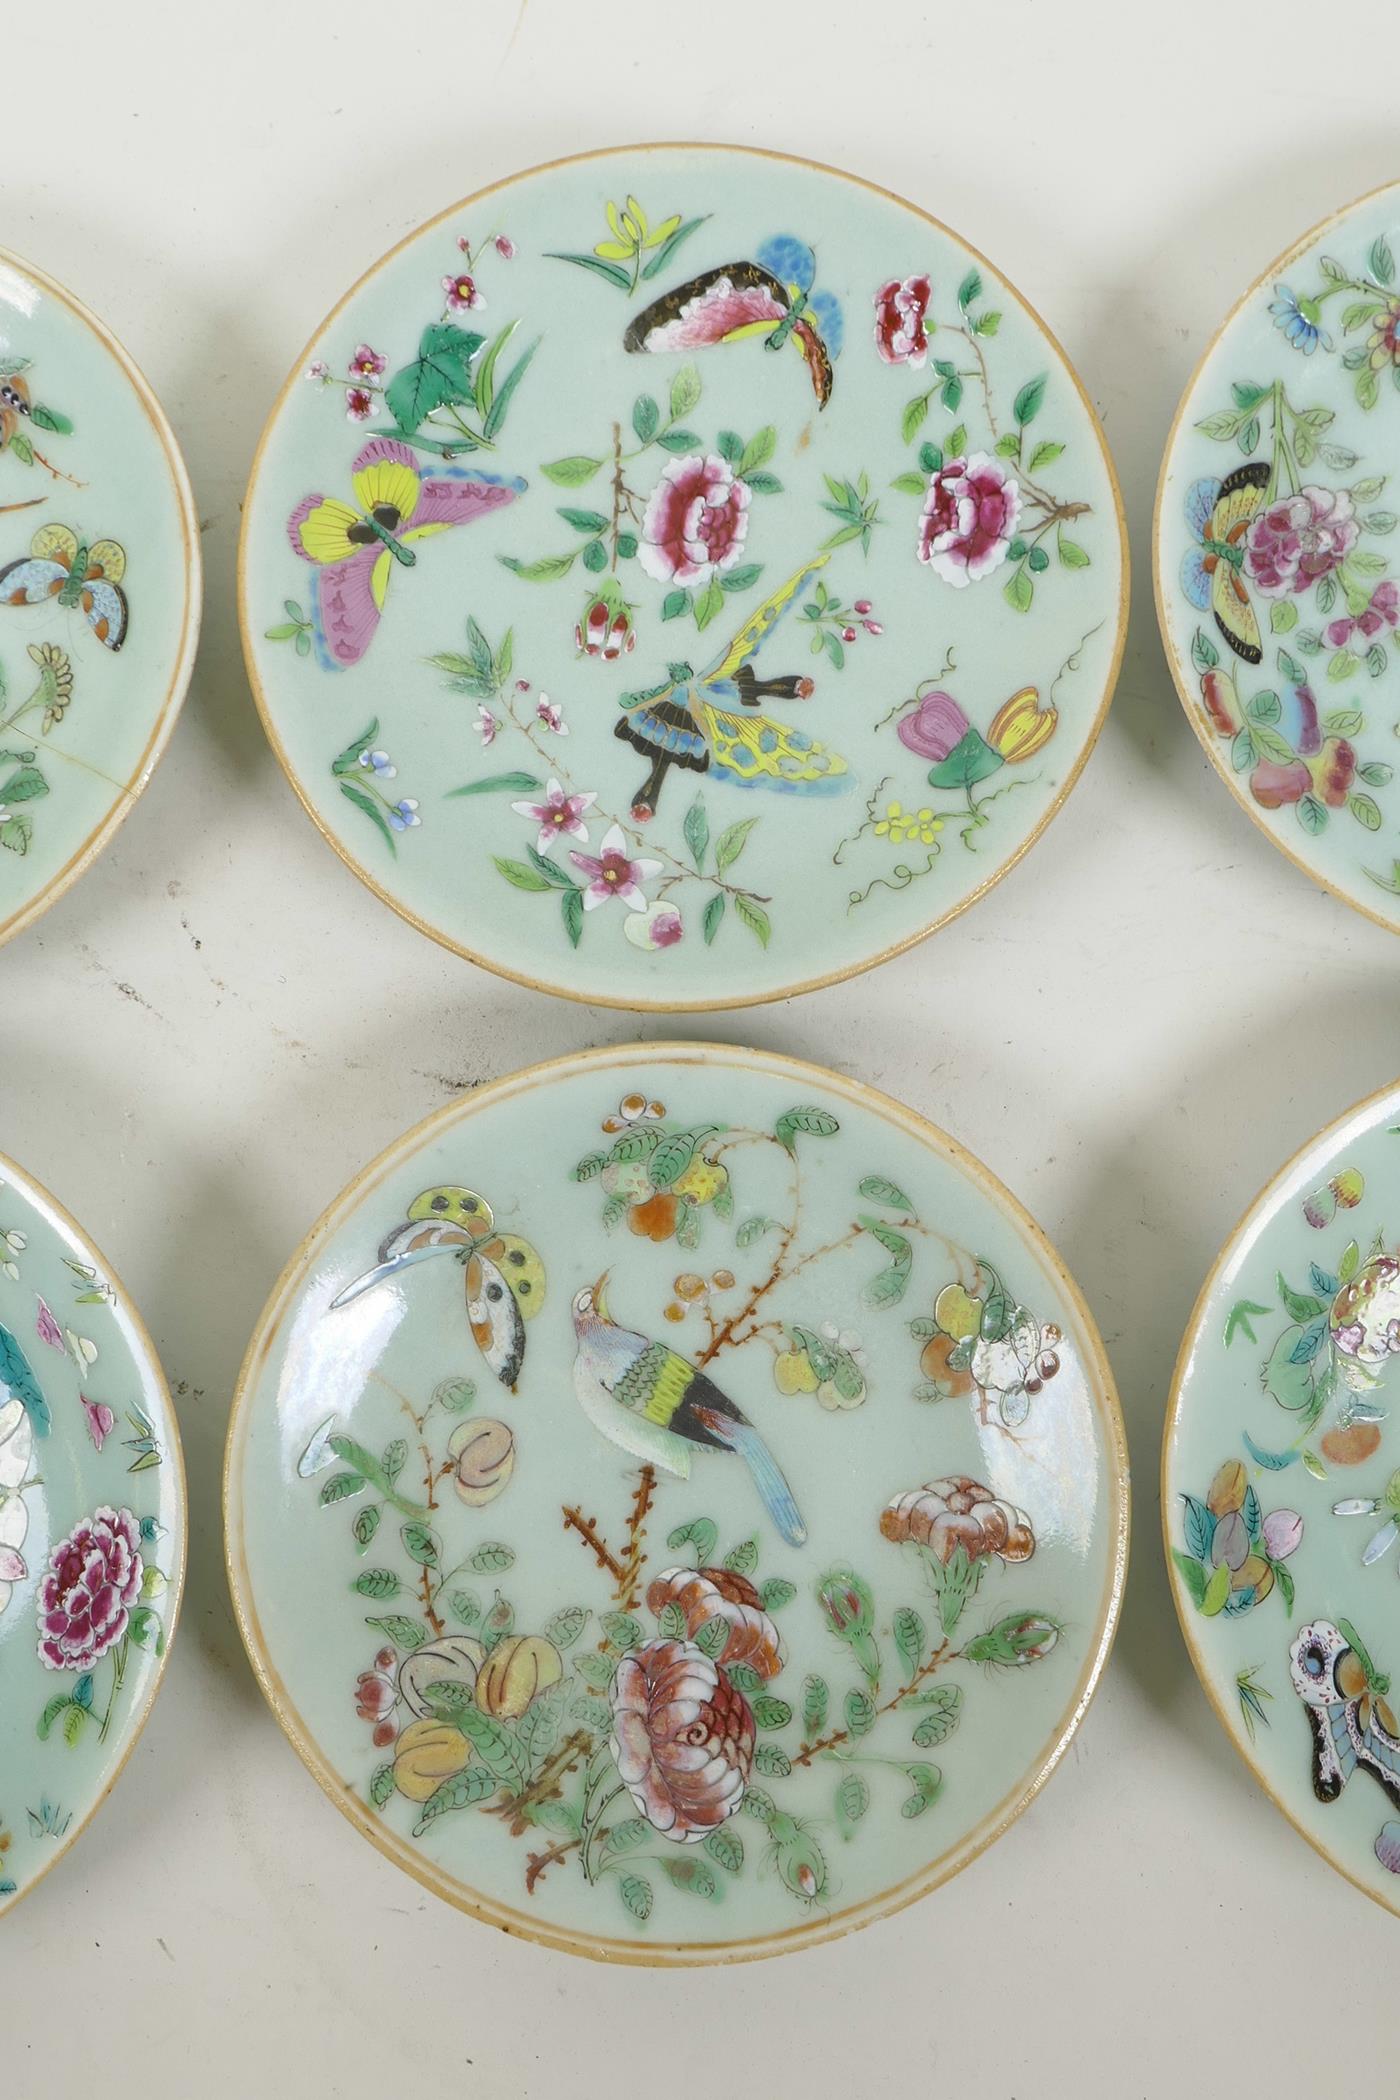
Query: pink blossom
[(696, 520), (557, 813), (100, 1420), (368, 363), (899, 320), (659, 926), (462, 293), (318, 369), (551, 714), (374, 1695), (45, 1325), (359, 404), (505, 247), (485, 726), (1381, 611), (92, 1581), (1298, 540), (613, 873), (969, 518), (936, 727)]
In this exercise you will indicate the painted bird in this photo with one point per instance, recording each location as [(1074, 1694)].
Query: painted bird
[(17, 1382), (505, 1281), (680, 724), (651, 1402)]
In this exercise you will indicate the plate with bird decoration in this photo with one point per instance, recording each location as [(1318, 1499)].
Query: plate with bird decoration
[(99, 588), (676, 1504), (1274, 551), (92, 1530), (1281, 1491), (791, 602)]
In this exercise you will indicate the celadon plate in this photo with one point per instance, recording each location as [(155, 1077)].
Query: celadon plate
[(92, 1530), (676, 1504), (1281, 1494), (1275, 558), (99, 588), (682, 576)]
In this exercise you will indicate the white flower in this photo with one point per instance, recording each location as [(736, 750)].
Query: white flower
[(485, 726), (551, 714)]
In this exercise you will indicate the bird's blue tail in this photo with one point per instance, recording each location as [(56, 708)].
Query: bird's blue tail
[(767, 1478)]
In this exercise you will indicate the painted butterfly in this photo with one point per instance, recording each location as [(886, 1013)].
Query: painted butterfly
[(76, 572), (1218, 513), (1344, 1699), (505, 1281), (357, 546), (771, 297)]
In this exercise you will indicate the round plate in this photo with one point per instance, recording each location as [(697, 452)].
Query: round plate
[(92, 1530), (677, 1505), (1277, 586), (792, 597), (99, 588), (1281, 1498)]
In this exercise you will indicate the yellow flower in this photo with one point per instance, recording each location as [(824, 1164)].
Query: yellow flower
[(1022, 726), (900, 824)]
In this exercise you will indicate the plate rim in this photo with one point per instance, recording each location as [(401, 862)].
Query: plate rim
[(602, 998), (16, 1176), (1170, 1427), (1183, 687), (168, 714), (678, 1953)]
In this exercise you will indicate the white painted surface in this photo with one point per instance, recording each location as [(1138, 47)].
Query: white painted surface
[(208, 1036)]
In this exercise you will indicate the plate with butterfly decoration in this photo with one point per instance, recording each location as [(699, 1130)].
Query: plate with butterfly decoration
[(1276, 564), (99, 588), (1281, 1491), (676, 1505), (681, 576), (92, 1530)]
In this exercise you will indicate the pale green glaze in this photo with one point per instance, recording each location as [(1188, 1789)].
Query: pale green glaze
[(77, 747), (68, 1336), (1045, 613), (337, 1580), (1301, 390), (1288, 1371)]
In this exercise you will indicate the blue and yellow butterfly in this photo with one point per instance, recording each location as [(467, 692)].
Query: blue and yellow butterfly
[(771, 297), (356, 546), (680, 724), (1219, 514), (79, 573)]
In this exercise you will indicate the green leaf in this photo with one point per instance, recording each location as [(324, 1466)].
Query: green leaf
[(713, 913), (1382, 262), (463, 1790), (636, 1896), (1216, 1591), (366, 1524), (731, 842), (491, 1559), (881, 1190), (860, 1713), (741, 579), (1366, 811), (548, 569), (685, 386), (810, 1122), (589, 521), (909, 1639), (646, 418), (522, 878), (621, 1629), (495, 1745), (420, 1543), (816, 1700), (754, 917), (759, 449), (941, 1709), (777, 1592), (500, 784), (464, 1607), (708, 603), (1045, 454), (404, 1633), (1026, 406), (697, 831), (571, 472), (699, 1533), (381, 1786), (496, 415), (744, 1559), (600, 266), (970, 289), (1018, 591), (852, 1800), (1193, 1574), (379, 1583), (340, 1486), (370, 807), (772, 1761), (727, 1847), (672, 1625)]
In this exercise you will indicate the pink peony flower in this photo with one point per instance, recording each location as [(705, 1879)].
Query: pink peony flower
[(683, 1738), (936, 727), (613, 873), (969, 518), (558, 813), (462, 294), (899, 320), (1298, 540), (368, 363), (696, 520), (359, 405), (85, 1599)]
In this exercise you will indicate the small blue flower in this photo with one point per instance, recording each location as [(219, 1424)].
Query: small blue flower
[(1298, 320), (378, 763), (404, 813)]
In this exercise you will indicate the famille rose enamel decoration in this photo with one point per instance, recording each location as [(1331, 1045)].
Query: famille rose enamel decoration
[(1281, 1492), (676, 1505), (1277, 583), (92, 1531), (681, 576), (99, 588)]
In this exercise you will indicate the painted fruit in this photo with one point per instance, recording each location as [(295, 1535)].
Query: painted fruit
[(517, 1670), (702, 1180), (794, 1372), (455, 1660), (1253, 1573), (483, 1453), (957, 1312), (1352, 1445), (1227, 1490), (655, 1219), (1222, 702), (933, 1362), (427, 1753)]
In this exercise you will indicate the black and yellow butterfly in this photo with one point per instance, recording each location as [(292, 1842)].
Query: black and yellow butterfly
[(81, 574), (1344, 1698), (1219, 514), (770, 298)]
